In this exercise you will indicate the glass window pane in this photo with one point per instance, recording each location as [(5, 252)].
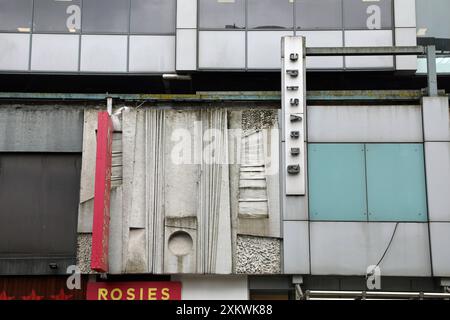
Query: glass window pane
[(318, 14), (433, 20), (15, 15), (153, 16), (57, 16), (270, 14), (361, 14), (106, 16), (222, 14)]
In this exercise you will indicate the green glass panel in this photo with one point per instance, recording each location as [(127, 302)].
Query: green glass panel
[(336, 175), (396, 182)]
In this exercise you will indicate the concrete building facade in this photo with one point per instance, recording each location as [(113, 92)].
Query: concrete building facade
[(198, 192)]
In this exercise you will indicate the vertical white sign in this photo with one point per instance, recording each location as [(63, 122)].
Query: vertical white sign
[(293, 93)]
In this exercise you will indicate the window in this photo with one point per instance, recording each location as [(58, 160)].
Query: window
[(105, 16), (270, 14), (222, 14), (374, 182), (153, 16), (57, 16), (318, 14), (372, 15), (15, 15), (433, 18)]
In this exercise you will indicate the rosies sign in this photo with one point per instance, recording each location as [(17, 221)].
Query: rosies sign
[(134, 291)]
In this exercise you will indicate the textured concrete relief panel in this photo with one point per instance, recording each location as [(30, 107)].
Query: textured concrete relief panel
[(258, 255), (258, 189), (176, 204)]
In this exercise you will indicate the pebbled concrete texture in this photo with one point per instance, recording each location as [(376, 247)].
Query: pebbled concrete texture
[(256, 119), (84, 245), (258, 255)]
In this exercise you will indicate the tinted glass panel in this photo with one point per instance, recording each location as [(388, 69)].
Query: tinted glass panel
[(223, 14), (372, 15), (107, 16), (39, 195), (396, 182), (433, 18), (336, 174), (15, 15), (318, 14), (270, 14), (57, 16), (153, 16)]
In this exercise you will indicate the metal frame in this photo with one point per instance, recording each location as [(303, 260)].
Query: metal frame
[(370, 295), (295, 30)]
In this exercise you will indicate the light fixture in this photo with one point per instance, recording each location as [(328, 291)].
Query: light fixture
[(53, 265), (174, 76), (23, 29)]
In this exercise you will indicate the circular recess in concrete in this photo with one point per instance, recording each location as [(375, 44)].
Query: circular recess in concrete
[(180, 243)]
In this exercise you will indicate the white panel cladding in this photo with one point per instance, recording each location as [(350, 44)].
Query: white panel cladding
[(436, 118), (264, 49), (205, 287), (294, 116), (369, 38), (323, 39), (186, 14), (55, 52), (152, 54), (437, 156), (405, 37), (186, 49), (103, 53), (296, 208), (405, 13), (440, 240), (348, 248), (402, 123), (14, 51), (296, 247), (222, 50)]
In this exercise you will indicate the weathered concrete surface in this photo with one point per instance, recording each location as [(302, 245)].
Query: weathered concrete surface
[(258, 255), (253, 120), (43, 128)]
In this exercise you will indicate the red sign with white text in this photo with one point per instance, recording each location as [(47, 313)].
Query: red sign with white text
[(134, 290), (100, 227)]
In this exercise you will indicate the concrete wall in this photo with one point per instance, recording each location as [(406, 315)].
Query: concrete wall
[(43, 128)]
